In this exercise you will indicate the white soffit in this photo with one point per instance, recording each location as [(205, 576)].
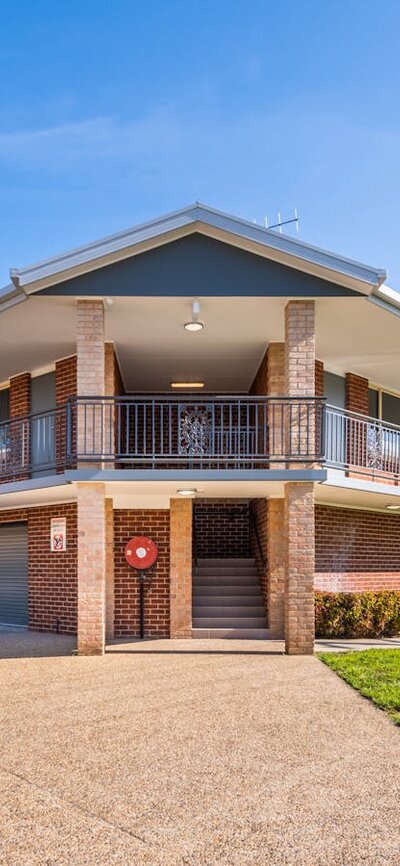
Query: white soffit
[(154, 348)]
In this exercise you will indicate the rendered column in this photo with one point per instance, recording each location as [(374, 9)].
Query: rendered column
[(181, 517), (92, 565)]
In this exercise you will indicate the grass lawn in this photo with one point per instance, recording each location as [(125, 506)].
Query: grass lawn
[(375, 673)]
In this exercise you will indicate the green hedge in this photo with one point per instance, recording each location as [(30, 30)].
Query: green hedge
[(361, 614)]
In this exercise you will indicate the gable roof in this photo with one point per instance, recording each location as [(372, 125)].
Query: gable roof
[(194, 218)]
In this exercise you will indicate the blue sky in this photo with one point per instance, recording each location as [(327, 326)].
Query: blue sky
[(112, 113)]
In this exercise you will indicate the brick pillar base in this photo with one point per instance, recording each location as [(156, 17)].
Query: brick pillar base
[(299, 567), (276, 568), (109, 569), (91, 568), (181, 516)]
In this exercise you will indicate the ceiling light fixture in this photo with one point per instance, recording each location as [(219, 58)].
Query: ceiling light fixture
[(187, 493), (187, 385), (194, 324), (393, 507)]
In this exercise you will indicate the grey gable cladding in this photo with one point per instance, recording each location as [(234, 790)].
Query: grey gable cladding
[(197, 265)]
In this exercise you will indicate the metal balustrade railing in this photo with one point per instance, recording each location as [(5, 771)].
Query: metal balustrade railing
[(142, 432), (357, 442), (34, 444), (201, 432), (197, 432)]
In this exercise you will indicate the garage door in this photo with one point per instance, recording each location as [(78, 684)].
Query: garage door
[(14, 574)]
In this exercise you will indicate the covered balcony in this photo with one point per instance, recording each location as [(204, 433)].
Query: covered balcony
[(212, 433)]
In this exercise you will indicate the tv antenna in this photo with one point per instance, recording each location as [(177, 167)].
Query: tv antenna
[(281, 222)]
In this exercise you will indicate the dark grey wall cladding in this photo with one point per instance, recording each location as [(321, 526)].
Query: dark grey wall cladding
[(197, 265)]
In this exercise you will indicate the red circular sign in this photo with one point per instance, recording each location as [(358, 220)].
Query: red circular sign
[(141, 552)]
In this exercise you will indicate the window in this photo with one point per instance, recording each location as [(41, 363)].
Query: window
[(335, 390), (384, 405)]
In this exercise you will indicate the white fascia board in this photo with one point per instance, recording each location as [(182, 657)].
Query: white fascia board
[(86, 257), (11, 295)]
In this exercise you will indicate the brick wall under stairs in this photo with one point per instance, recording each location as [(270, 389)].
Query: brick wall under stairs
[(227, 599)]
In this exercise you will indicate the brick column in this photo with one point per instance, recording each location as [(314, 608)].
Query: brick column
[(299, 497), (109, 506), (181, 517), (19, 407), (357, 400), (65, 388), (92, 564), (270, 381), (276, 568), (357, 396), (110, 364), (319, 379), (90, 373), (300, 372), (299, 568)]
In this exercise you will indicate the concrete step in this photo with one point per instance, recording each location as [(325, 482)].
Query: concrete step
[(226, 580), (225, 560), (237, 590), (232, 633), (231, 611), (229, 622), (200, 601)]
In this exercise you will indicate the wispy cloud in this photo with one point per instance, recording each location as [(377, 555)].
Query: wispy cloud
[(101, 138)]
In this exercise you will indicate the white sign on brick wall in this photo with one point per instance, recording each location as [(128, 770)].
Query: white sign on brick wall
[(58, 534)]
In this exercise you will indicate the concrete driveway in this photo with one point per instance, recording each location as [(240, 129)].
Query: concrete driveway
[(191, 754)]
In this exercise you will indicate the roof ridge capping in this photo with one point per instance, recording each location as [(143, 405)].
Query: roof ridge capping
[(216, 219)]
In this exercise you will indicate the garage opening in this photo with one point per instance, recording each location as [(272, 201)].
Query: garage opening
[(14, 574)]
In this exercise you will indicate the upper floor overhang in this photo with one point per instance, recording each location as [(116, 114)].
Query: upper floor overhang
[(327, 273)]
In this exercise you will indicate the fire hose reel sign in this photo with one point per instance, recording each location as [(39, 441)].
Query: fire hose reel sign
[(141, 552)]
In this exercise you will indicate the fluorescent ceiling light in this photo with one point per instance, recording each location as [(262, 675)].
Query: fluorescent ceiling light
[(187, 384), (187, 493), (393, 507)]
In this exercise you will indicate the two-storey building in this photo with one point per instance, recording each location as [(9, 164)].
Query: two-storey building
[(226, 390)]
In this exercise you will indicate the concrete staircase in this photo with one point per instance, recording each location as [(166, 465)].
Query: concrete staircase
[(227, 600)]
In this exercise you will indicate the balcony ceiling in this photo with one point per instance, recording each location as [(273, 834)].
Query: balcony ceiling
[(153, 347)]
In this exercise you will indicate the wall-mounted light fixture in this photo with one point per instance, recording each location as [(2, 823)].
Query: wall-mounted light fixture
[(194, 324)]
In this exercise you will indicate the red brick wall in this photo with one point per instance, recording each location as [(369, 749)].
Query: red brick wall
[(20, 395), (221, 528), (260, 383), (319, 379), (155, 524), (65, 379), (357, 394), (259, 509), (356, 551), (52, 577)]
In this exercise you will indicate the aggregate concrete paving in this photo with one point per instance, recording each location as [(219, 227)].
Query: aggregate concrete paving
[(190, 753)]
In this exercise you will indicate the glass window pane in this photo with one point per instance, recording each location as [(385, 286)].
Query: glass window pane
[(373, 403), (391, 408), (4, 404), (335, 389)]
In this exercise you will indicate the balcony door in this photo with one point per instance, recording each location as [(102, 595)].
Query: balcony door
[(43, 433)]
